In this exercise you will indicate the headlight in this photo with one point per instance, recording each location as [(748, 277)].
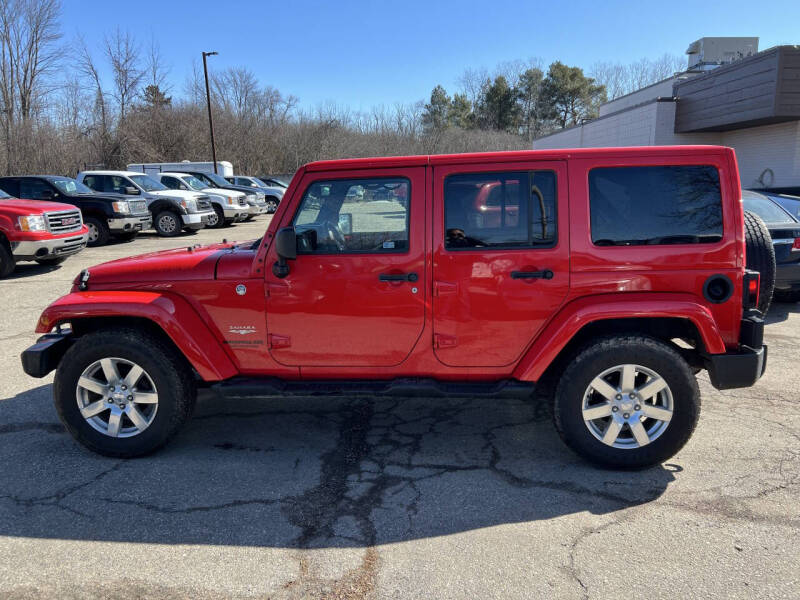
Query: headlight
[(32, 223), (122, 207), (230, 199), (189, 205)]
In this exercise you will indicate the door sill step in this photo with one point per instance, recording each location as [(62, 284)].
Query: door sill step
[(272, 387)]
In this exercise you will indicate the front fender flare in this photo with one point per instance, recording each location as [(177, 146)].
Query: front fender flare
[(576, 314), (173, 314)]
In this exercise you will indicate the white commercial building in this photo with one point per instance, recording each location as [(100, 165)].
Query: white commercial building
[(731, 95)]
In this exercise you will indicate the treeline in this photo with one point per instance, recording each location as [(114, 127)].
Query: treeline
[(61, 114)]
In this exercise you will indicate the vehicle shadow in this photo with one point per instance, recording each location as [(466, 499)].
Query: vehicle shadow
[(31, 269), (780, 311), (312, 472)]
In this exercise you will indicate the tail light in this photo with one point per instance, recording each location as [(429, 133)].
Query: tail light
[(752, 283), (796, 245)]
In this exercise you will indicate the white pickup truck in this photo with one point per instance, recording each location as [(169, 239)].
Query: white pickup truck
[(172, 210), (229, 206)]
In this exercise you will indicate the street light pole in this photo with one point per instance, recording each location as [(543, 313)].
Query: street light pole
[(208, 102)]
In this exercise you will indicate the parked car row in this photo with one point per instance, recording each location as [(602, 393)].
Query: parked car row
[(781, 215), (45, 218)]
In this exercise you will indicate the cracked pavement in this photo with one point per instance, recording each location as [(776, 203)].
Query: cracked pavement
[(386, 498)]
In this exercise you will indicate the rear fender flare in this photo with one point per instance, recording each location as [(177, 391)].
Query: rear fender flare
[(577, 314), (173, 314)]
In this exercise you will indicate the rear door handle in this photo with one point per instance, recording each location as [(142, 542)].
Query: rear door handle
[(412, 277), (546, 274)]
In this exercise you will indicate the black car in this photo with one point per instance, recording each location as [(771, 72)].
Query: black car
[(106, 215), (788, 202), (275, 181), (785, 232)]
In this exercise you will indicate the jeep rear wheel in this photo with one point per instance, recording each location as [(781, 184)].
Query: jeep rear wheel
[(627, 402), (123, 393)]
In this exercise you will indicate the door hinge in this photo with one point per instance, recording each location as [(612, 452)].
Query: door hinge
[(444, 341), (278, 341), (444, 288)]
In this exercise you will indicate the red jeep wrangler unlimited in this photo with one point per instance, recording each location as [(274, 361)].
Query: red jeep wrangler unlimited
[(619, 273)]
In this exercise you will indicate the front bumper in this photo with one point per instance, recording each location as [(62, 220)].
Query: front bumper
[(196, 220), (233, 212), (257, 209), (744, 367), (44, 356), (130, 224), (49, 248)]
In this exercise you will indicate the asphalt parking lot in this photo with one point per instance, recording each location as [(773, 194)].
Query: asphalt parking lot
[(320, 498)]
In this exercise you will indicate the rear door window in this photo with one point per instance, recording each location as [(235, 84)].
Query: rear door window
[(636, 206), (500, 210)]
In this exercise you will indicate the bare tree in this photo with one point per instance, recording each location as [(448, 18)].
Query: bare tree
[(123, 55)]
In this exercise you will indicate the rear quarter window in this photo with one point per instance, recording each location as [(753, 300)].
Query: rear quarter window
[(635, 206)]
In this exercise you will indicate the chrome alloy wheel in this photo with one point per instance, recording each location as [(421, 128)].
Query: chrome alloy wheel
[(167, 223), (93, 232), (627, 406), (272, 206), (117, 397)]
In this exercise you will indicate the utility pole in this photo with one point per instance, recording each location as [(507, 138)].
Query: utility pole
[(208, 102)]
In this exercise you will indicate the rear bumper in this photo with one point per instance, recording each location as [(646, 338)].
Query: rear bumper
[(44, 356), (744, 367)]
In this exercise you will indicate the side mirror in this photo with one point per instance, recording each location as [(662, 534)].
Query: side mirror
[(286, 249), (132, 191), (346, 223)]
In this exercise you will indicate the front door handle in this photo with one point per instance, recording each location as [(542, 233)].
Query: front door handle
[(412, 277), (546, 274)]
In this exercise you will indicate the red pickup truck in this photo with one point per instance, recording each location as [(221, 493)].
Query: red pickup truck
[(47, 232), (617, 273)]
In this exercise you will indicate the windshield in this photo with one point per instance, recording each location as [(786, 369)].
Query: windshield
[(218, 180), (194, 182), (259, 183), (765, 208), (70, 186), (148, 184)]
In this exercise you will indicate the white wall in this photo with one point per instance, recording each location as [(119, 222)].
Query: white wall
[(775, 147)]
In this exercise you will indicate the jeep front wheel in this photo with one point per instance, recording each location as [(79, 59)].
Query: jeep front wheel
[(123, 393), (627, 402)]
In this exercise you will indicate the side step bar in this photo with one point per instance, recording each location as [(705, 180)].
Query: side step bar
[(272, 387)]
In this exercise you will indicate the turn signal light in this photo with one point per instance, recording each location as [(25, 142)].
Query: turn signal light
[(796, 245)]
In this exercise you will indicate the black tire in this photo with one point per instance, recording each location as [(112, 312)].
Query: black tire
[(167, 223), (7, 262), (272, 204), (127, 236), (760, 256), (51, 262), (171, 375), (99, 234), (249, 218), (790, 296), (606, 353), (218, 220)]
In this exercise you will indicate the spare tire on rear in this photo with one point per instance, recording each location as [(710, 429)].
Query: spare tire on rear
[(760, 256)]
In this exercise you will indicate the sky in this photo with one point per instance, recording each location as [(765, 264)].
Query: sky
[(366, 54)]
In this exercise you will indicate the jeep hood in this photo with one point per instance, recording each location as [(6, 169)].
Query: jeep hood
[(181, 264)]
